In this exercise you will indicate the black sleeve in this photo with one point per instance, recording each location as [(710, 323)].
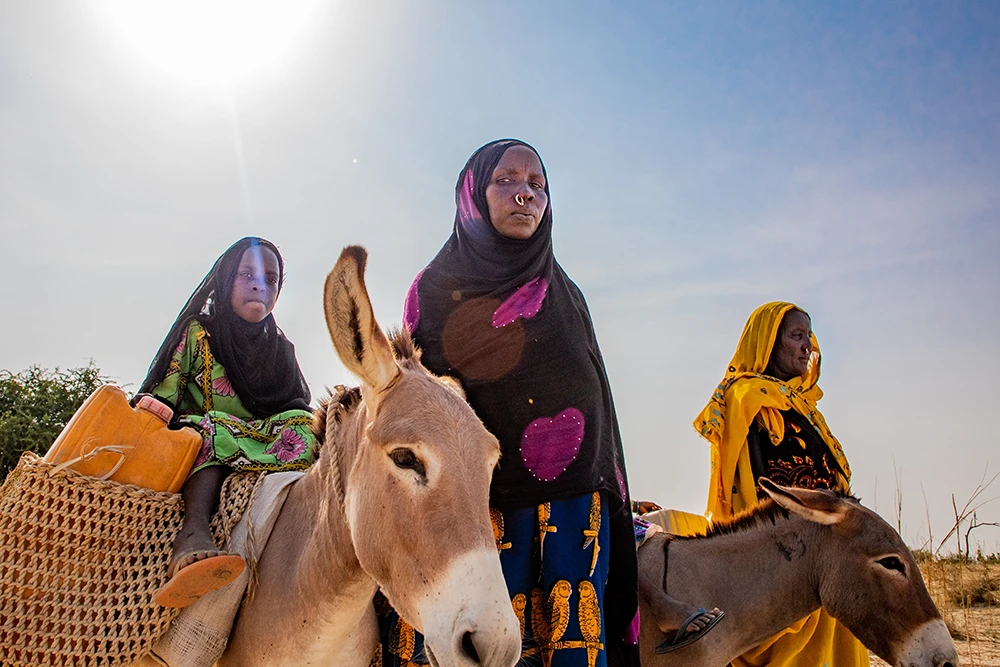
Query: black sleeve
[(757, 439)]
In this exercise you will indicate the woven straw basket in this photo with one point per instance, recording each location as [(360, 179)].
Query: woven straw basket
[(80, 559)]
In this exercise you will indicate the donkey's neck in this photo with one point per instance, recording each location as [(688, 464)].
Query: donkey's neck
[(329, 567), (314, 601), (772, 582)]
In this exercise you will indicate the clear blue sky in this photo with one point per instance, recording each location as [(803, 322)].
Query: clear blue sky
[(703, 158)]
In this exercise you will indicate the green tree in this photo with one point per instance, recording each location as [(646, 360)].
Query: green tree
[(35, 405)]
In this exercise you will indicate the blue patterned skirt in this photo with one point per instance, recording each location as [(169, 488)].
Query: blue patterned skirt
[(555, 562)]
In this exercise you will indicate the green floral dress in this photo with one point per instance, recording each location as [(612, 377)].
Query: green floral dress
[(196, 384)]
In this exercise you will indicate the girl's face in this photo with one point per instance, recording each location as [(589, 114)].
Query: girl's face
[(256, 285)]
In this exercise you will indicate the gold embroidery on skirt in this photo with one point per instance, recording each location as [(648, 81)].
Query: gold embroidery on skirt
[(403, 642), (593, 530), (544, 514), (496, 518), (519, 603), (540, 625), (589, 615), (550, 618)]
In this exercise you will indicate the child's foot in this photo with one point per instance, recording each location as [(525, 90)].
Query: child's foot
[(196, 569), (190, 546)]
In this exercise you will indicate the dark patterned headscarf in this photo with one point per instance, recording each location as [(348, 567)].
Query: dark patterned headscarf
[(503, 317), (259, 361)]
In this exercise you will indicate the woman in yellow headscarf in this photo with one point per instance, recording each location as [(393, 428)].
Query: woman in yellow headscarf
[(762, 421)]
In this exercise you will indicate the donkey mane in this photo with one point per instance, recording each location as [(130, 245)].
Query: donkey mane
[(343, 400), (765, 512), (403, 345)]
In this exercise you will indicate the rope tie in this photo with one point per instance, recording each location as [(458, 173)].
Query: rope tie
[(120, 450)]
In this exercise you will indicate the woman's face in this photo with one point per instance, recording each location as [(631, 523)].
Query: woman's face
[(516, 193), (792, 347), (255, 287)]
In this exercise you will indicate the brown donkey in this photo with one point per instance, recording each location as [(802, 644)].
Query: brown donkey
[(398, 500), (800, 551)]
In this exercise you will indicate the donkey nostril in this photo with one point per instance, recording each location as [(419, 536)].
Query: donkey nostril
[(469, 648)]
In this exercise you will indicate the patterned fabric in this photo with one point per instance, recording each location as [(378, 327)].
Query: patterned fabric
[(644, 530), (555, 561), (502, 316), (801, 459), (793, 442), (197, 385)]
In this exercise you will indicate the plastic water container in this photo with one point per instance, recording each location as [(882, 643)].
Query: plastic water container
[(109, 439)]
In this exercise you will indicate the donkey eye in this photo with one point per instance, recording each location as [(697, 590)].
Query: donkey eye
[(892, 563), (407, 460)]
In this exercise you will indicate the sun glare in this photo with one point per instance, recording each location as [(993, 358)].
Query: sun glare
[(211, 41)]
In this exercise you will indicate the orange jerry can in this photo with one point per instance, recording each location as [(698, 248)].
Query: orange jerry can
[(109, 439)]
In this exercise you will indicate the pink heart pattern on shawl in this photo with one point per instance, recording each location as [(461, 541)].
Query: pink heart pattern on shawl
[(549, 445), (525, 302)]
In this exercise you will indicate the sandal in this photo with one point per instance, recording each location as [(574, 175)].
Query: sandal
[(682, 637), (199, 578)]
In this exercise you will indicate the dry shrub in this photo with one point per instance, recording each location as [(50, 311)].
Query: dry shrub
[(968, 595)]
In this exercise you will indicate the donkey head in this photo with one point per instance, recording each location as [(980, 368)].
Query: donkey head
[(870, 582), (417, 494)]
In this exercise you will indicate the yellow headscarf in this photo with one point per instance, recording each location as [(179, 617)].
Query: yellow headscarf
[(745, 394)]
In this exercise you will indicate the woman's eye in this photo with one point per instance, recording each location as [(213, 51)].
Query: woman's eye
[(503, 179), (538, 186)]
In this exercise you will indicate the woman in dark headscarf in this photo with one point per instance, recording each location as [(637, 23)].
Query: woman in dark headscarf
[(227, 370), (495, 310)]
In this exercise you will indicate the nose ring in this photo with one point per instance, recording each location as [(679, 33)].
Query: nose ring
[(519, 199)]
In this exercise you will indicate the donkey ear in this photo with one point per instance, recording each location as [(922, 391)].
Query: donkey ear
[(820, 506), (356, 335)]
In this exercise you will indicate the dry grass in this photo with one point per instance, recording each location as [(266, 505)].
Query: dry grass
[(968, 596)]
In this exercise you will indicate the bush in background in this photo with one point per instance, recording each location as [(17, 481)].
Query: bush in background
[(36, 403)]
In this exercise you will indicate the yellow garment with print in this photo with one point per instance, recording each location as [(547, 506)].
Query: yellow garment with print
[(746, 394)]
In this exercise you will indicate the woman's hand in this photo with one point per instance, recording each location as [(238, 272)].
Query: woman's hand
[(644, 506)]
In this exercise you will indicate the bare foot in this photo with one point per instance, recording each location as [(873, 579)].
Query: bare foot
[(197, 568), (700, 622), (191, 545), (671, 621), (696, 626), (671, 614)]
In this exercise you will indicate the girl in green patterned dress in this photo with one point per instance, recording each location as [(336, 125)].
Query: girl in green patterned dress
[(228, 371)]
